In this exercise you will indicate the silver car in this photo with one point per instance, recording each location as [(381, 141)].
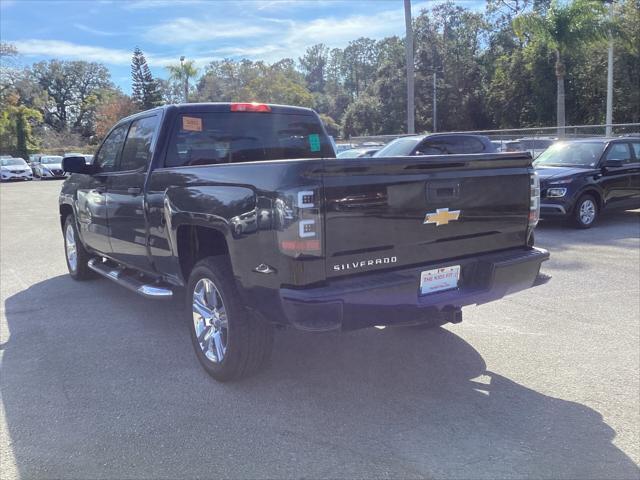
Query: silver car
[(14, 169), (48, 166)]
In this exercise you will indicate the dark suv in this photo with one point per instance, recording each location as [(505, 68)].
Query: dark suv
[(579, 179), (437, 144)]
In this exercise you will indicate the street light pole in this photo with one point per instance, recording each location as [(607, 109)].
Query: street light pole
[(410, 77), (435, 109), (609, 117), (186, 80)]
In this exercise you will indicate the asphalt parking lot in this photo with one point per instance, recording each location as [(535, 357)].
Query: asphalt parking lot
[(97, 382)]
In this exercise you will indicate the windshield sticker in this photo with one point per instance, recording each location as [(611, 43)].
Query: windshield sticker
[(192, 124), (314, 142)]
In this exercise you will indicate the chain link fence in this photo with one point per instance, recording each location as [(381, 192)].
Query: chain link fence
[(531, 135)]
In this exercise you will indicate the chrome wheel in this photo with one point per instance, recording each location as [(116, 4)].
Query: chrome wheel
[(71, 247), (587, 212), (210, 320)]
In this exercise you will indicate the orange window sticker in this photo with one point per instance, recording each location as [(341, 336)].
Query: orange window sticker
[(192, 124)]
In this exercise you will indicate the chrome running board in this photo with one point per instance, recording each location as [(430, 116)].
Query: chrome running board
[(129, 280)]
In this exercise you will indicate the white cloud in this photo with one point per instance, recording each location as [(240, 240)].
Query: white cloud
[(94, 31), (187, 30), (72, 51), (153, 4), (249, 52), (340, 31), (272, 38), (108, 56)]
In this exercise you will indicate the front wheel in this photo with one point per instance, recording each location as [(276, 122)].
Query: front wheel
[(75, 254), (585, 212), (229, 342)]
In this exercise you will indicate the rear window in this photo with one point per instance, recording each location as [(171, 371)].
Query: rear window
[(400, 147), (448, 145), (212, 138)]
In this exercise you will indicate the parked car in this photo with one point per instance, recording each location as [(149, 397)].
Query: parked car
[(358, 152), (580, 179), (500, 145), (252, 241), (14, 169), (437, 144), (341, 147), (48, 166), (535, 146)]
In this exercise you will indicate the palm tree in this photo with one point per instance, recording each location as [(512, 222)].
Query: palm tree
[(563, 27), (182, 73)]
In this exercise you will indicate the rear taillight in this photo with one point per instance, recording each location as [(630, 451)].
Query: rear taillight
[(250, 107), (298, 223), (534, 201)]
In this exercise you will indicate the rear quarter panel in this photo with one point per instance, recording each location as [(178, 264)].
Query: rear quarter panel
[(236, 200)]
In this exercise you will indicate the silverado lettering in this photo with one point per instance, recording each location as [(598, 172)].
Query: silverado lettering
[(243, 210), (365, 263)]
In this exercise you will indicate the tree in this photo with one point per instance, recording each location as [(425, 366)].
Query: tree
[(73, 89), (233, 81), (390, 85), (362, 117), (313, 65), (16, 121), (627, 62), (180, 74), (359, 65), (563, 27), (145, 91), (8, 54), (114, 107)]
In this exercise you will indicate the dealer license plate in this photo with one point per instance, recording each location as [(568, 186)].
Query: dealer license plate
[(439, 279)]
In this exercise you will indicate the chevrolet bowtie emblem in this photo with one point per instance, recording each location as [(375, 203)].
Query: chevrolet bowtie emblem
[(442, 216)]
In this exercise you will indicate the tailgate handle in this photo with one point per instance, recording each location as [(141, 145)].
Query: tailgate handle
[(443, 190)]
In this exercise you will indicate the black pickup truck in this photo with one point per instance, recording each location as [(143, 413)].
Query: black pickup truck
[(244, 210)]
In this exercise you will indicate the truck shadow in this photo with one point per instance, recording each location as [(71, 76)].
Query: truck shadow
[(97, 382)]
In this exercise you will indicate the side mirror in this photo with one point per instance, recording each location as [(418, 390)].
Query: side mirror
[(76, 165), (613, 163)]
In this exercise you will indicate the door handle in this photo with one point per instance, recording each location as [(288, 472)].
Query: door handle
[(134, 190)]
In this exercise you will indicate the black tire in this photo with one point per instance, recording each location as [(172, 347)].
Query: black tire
[(81, 270), (249, 339), (579, 218)]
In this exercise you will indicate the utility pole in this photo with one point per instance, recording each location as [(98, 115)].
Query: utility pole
[(411, 128), (186, 80), (435, 109), (609, 117)]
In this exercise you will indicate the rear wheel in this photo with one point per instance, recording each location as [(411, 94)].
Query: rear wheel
[(75, 254), (585, 212), (229, 342)]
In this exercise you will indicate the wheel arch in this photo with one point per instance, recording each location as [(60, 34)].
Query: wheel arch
[(195, 242), (65, 211), (595, 193)]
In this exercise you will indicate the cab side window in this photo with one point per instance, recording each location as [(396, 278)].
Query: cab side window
[(636, 149), (619, 151), (137, 148), (107, 158)]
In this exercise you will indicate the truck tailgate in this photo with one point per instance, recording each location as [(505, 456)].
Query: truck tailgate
[(376, 209)]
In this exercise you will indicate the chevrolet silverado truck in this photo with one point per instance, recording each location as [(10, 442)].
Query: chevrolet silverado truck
[(243, 210)]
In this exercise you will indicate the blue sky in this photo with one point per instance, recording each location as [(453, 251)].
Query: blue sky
[(107, 31)]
